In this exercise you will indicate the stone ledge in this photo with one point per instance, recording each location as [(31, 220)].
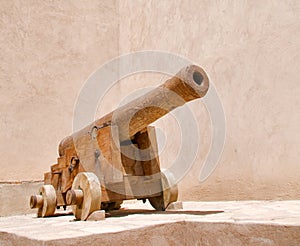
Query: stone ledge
[(198, 223), (14, 197)]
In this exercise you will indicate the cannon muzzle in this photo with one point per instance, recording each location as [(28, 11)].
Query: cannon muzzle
[(188, 84)]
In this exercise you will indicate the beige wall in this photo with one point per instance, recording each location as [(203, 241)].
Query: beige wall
[(250, 49), (48, 50)]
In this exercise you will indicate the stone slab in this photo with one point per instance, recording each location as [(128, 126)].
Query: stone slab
[(197, 223)]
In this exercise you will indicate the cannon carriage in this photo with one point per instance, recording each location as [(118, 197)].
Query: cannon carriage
[(116, 157)]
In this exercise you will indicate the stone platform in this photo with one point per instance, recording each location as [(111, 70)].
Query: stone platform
[(197, 223)]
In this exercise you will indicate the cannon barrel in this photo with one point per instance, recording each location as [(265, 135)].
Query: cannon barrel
[(188, 84)]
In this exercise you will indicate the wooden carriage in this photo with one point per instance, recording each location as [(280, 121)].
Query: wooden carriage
[(116, 157)]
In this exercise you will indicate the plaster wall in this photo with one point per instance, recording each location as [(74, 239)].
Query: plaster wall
[(250, 49), (48, 49)]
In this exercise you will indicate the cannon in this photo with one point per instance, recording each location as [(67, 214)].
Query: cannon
[(115, 158)]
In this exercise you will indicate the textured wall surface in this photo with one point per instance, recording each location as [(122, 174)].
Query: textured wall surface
[(250, 49), (48, 50)]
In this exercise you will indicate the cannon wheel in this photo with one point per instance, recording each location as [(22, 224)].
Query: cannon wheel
[(45, 201), (169, 194), (89, 184)]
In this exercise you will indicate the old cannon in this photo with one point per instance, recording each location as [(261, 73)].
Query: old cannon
[(116, 157)]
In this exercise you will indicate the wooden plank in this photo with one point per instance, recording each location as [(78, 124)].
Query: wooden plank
[(116, 159), (47, 178), (62, 162), (128, 163), (141, 187), (146, 141), (113, 192), (66, 180), (128, 188), (60, 198), (55, 168), (110, 156), (85, 150), (55, 178)]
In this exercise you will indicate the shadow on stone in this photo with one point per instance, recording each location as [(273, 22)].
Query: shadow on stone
[(126, 212)]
